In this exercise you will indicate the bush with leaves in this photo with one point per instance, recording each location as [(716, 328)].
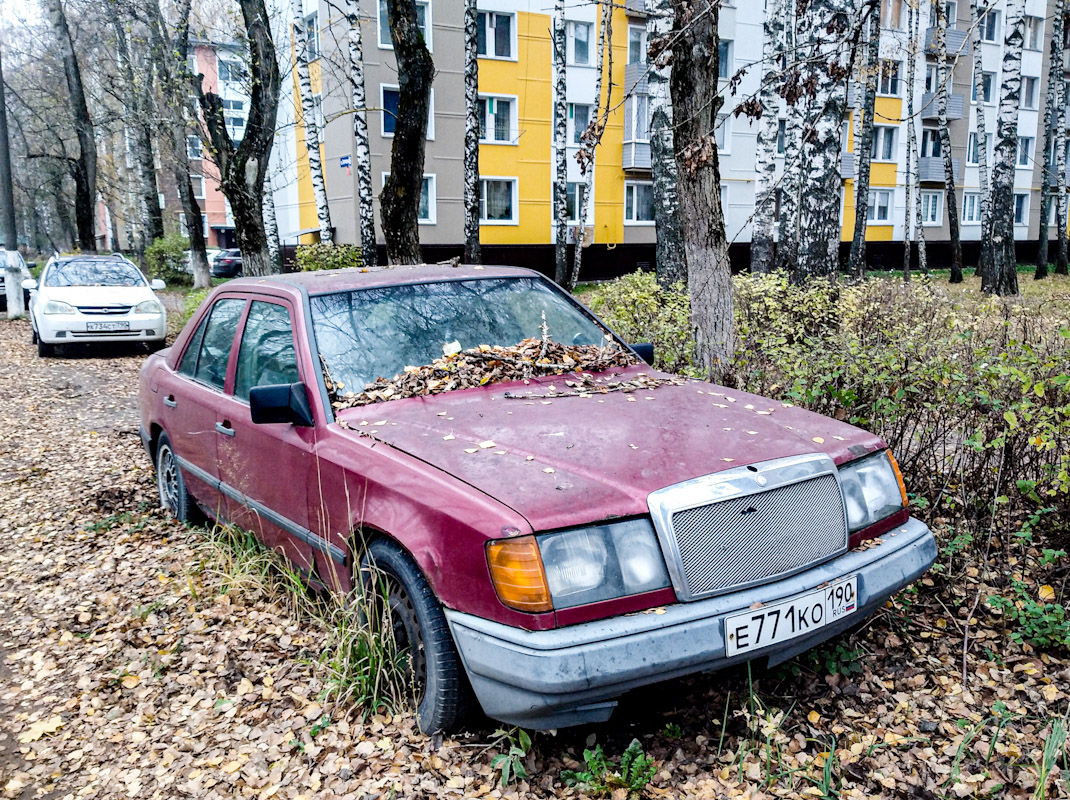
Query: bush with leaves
[(166, 259), (602, 777), (321, 255), (515, 744)]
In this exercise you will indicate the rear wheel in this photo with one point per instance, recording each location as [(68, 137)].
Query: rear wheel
[(421, 633), (174, 496)]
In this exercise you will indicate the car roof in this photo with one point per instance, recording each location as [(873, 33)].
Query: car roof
[(329, 281)]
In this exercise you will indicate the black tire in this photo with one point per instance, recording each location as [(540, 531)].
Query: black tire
[(174, 496), (444, 697), (33, 335), (44, 349)]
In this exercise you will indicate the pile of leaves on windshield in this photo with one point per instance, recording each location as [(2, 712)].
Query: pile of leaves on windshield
[(485, 364)]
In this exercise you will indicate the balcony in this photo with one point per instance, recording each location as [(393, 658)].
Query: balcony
[(635, 8), (847, 165), (956, 106), (635, 76), (958, 42), (636, 156), (931, 169)]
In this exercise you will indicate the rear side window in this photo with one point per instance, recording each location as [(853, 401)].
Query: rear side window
[(213, 349), (267, 355)]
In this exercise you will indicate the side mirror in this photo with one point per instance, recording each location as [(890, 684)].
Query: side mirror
[(283, 402), (157, 284), (645, 351), (29, 284)]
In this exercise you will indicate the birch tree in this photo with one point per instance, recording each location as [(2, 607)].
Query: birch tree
[(696, 101), (978, 8), (669, 260), (943, 78), (762, 250), (560, 198), (362, 151), (399, 202), (863, 133), (1054, 118), (795, 27), (1001, 277), (310, 117), (913, 235), (472, 250), (1060, 173)]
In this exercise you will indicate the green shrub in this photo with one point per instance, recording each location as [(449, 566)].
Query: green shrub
[(192, 303), (602, 777), (166, 259), (328, 256)]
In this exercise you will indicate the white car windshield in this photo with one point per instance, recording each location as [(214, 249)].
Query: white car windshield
[(94, 273)]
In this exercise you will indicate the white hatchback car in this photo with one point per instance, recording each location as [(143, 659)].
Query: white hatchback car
[(94, 299)]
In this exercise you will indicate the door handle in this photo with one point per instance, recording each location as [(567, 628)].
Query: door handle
[(224, 428), (170, 401)]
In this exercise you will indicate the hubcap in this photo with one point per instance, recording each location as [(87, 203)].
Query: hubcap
[(167, 477)]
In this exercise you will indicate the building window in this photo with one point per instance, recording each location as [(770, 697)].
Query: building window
[(578, 50), (184, 230), (428, 201), (638, 203), (1023, 156), (423, 18), (234, 117), (971, 147), (883, 148), (389, 99), (198, 186), (988, 81), (579, 117), (573, 193), (880, 206), (932, 212), (312, 34), (637, 45), (495, 38), (1021, 209), (990, 26), (637, 118), (952, 13), (724, 197), (971, 208), (1034, 33), (194, 147), (497, 201), (722, 134), (889, 78), (1029, 92), (231, 70), (317, 111), (932, 78), (497, 121), (781, 136), (724, 58), (892, 14), (930, 143)]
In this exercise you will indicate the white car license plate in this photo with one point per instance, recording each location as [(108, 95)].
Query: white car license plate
[(799, 616), (116, 325)]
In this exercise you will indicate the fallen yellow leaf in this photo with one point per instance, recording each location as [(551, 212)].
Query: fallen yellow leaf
[(1046, 593), (40, 728), (814, 717)]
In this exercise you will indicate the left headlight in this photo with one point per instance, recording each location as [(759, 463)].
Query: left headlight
[(58, 307), (148, 307), (872, 489)]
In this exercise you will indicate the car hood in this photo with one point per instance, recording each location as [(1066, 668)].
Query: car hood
[(562, 461), (98, 295)]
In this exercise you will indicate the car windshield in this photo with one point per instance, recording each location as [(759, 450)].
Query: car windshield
[(112, 272), (375, 333)]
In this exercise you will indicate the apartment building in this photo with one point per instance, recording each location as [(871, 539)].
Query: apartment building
[(517, 150)]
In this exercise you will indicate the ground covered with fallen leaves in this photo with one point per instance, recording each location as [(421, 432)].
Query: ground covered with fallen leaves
[(130, 667)]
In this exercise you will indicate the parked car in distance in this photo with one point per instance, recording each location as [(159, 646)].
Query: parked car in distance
[(522, 527), (227, 264), (210, 253), (24, 271), (81, 299)]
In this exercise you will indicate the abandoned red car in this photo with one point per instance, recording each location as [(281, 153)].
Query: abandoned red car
[(523, 524)]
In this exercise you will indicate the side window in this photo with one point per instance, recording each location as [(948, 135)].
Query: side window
[(188, 365), (218, 337), (266, 356)]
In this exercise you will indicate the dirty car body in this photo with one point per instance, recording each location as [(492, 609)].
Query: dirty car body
[(576, 543)]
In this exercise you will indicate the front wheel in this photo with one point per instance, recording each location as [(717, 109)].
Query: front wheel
[(174, 496), (420, 632), (44, 349)]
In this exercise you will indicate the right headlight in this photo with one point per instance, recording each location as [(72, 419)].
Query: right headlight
[(872, 489)]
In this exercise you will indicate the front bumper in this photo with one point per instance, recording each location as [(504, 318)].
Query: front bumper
[(74, 328), (569, 676)]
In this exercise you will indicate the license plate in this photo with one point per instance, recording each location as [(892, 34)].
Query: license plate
[(789, 619), (108, 326)]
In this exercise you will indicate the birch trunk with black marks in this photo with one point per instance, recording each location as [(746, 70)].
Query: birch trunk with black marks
[(696, 101), (795, 29), (1060, 147), (762, 248), (311, 122), (472, 250), (243, 168), (271, 229), (362, 159), (12, 259), (670, 262), (1001, 278), (400, 200), (913, 237), (1054, 113), (84, 167), (560, 198), (943, 77), (984, 254), (856, 263), (828, 66)]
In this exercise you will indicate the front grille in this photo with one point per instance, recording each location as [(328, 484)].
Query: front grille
[(104, 309), (757, 537)]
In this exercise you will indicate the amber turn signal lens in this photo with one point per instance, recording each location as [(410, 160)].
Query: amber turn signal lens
[(898, 477), (517, 573)]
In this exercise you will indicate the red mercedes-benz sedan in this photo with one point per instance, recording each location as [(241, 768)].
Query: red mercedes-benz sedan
[(522, 524)]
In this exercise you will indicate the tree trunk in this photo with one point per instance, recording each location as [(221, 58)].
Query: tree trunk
[(1054, 113), (856, 265), (984, 255), (472, 251), (827, 70), (271, 229), (560, 198), (362, 156), (795, 26), (762, 248), (1002, 278), (400, 201), (311, 122), (85, 174), (696, 101), (12, 259), (1060, 149), (943, 78), (913, 235)]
